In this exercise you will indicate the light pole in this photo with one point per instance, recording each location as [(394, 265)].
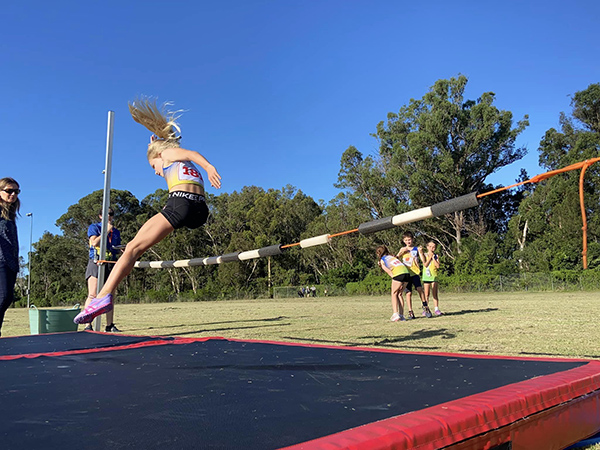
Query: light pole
[(29, 258)]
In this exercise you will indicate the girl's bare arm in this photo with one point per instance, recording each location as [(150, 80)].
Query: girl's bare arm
[(180, 154)]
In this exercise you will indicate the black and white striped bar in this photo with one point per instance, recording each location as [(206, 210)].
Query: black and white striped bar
[(271, 250), (437, 210), (229, 257)]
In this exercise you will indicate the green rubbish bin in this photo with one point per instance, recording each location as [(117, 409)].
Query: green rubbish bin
[(43, 320)]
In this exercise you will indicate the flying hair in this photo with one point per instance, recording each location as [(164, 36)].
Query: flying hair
[(160, 121)]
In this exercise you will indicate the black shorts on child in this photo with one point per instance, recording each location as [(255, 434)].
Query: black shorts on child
[(92, 270), (415, 281), (185, 209), (402, 278)]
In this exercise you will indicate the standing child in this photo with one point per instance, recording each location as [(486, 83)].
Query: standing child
[(91, 272), (430, 271), (395, 269), (409, 255), (185, 207)]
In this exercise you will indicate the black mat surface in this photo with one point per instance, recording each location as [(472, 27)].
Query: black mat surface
[(63, 342), (230, 395)]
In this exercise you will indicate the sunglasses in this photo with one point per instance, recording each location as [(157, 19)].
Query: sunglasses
[(12, 191)]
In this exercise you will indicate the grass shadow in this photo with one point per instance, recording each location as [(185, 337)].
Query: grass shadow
[(213, 330), (384, 341), (462, 312), (223, 322), (415, 335)]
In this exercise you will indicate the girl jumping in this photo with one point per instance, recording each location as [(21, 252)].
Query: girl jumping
[(185, 207)]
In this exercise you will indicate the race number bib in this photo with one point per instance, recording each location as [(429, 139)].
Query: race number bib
[(188, 172)]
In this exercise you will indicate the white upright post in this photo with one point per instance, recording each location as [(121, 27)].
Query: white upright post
[(105, 206)]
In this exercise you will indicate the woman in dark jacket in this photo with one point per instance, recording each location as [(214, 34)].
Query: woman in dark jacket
[(9, 243)]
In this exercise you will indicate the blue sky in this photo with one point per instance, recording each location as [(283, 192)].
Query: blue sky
[(274, 90)]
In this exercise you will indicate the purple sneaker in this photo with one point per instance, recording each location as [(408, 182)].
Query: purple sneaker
[(437, 312), (95, 308)]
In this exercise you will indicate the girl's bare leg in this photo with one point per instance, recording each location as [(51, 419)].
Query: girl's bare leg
[(92, 288), (152, 232), (110, 315), (427, 289), (421, 294), (401, 297), (395, 302), (434, 293), (408, 299)]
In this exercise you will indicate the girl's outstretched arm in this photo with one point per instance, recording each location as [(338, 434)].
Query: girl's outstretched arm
[(180, 154)]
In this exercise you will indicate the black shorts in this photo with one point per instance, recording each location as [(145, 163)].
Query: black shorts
[(92, 270), (184, 209), (415, 281), (402, 278)]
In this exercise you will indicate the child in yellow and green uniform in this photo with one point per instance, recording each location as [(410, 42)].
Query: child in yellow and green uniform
[(409, 256), (399, 273), (430, 271)]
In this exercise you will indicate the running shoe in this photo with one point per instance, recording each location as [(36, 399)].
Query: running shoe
[(95, 308), (437, 312), (427, 313), (402, 318), (410, 316), (112, 328), (395, 317)]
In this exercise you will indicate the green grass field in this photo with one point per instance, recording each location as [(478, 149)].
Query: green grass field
[(559, 324), (536, 324)]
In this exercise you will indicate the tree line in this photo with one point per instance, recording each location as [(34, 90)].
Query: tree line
[(435, 148)]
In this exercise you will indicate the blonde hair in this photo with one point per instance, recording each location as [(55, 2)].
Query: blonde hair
[(9, 211), (161, 122)]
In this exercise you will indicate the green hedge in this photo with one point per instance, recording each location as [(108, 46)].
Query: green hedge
[(377, 284), (554, 281), (374, 283)]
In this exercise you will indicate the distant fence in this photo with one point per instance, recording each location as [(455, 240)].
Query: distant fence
[(297, 291), (555, 281), (588, 280)]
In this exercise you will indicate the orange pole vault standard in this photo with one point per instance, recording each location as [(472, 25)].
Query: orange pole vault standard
[(583, 165), (586, 164)]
